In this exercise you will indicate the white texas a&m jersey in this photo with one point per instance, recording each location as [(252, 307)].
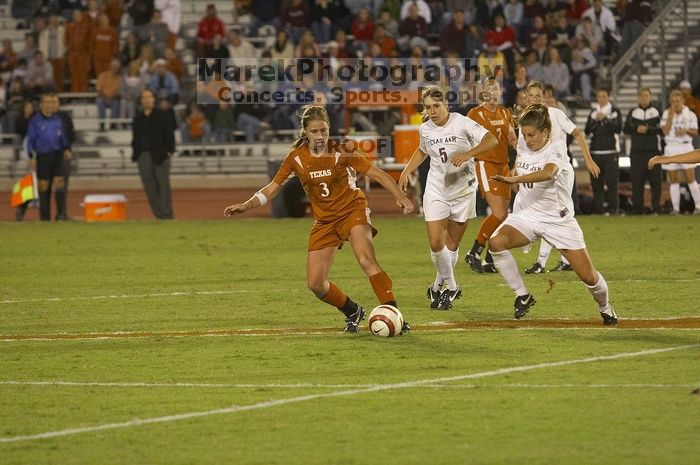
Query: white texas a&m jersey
[(547, 198), (458, 135), (686, 120)]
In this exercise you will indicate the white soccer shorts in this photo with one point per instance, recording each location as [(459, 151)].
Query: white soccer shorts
[(561, 233), (677, 149), (460, 209)]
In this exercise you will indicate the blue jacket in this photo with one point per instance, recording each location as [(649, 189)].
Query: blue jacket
[(45, 135)]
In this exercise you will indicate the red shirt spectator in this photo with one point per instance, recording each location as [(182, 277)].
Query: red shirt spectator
[(296, 14), (501, 35), (209, 27), (576, 9), (363, 27)]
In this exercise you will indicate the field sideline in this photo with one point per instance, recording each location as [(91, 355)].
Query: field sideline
[(198, 342)]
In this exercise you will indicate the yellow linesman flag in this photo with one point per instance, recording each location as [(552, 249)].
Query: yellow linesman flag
[(23, 191)]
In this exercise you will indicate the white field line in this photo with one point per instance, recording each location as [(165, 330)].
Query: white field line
[(123, 296), (243, 291), (326, 386), (340, 393)]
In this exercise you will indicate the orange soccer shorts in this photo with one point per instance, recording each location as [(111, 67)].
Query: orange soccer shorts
[(335, 233), (484, 171)]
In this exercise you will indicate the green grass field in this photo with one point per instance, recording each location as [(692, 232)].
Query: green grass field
[(125, 344)]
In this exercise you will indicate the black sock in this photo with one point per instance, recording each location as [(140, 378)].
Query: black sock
[(392, 303), (60, 196), (45, 206), (476, 249), (349, 307), (488, 259)]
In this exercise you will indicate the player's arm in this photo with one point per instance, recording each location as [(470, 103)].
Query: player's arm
[(258, 199), (487, 143), (689, 157), (512, 138), (416, 159), (545, 174), (668, 124), (387, 182), (591, 166)]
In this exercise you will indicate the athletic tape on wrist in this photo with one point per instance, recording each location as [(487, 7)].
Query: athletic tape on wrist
[(261, 198)]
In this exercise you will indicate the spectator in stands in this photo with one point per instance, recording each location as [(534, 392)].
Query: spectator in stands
[(174, 64), (306, 39), (603, 125), (40, 75), (250, 117), (171, 14), (575, 9), (637, 15), (385, 42), (224, 123), (583, 66), (643, 127), (47, 146), (93, 12), (532, 9), (295, 17), (132, 85), (195, 128), (324, 14), (541, 47), (282, 48), (592, 33), (556, 74), (264, 13), (413, 29), (393, 7), (391, 25), (343, 45), (104, 44), (504, 38), (492, 60), (14, 102), (78, 33), (561, 37), (473, 42), (153, 143), (114, 9), (209, 27), (454, 35), (8, 57), (604, 18), (514, 14), (146, 60), (689, 99), (20, 71), (514, 85), (363, 29), (131, 49), (163, 83), (422, 10), (155, 33), (108, 87), (52, 43), (239, 47), (141, 12), (536, 29), (29, 49), (217, 48), (467, 7)]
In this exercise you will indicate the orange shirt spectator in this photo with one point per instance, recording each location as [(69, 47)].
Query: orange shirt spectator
[(104, 44), (690, 101), (114, 9)]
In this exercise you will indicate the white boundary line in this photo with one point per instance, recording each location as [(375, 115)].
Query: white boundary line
[(325, 386), (341, 393), (123, 296)]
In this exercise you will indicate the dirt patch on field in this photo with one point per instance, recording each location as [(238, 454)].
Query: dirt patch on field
[(678, 323)]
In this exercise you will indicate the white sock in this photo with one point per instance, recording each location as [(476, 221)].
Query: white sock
[(695, 192), (443, 264), (545, 250), (454, 257), (600, 294), (437, 284), (675, 191), (506, 265)]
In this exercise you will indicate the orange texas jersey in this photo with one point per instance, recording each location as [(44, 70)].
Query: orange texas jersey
[(497, 122), (328, 179)]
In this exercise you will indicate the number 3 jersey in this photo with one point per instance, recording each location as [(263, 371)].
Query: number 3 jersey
[(458, 135), (329, 181), (547, 198)]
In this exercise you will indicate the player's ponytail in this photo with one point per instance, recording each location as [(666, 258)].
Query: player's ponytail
[(308, 114)]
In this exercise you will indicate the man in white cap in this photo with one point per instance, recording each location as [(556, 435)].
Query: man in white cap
[(691, 102), (164, 83)]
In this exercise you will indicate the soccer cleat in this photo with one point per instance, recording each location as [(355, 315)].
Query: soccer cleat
[(536, 268), (353, 321), (489, 267), (561, 266), (474, 262), (434, 297), (609, 319), (522, 305), (404, 328), (448, 297)]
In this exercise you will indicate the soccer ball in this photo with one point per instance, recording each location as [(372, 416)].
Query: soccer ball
[(385, 321)]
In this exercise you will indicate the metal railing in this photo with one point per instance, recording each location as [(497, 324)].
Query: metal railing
[(633, 59)]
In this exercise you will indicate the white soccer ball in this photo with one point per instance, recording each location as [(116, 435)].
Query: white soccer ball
[(385, 321)]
